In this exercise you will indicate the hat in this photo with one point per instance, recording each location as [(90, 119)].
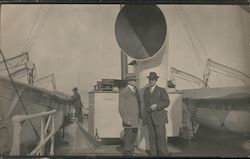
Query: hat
[(75, 89), (131, 77), (152, 75)]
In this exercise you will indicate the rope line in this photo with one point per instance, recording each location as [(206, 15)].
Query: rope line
[(33, 24), (40, 27), (199, 40), (191, 40)]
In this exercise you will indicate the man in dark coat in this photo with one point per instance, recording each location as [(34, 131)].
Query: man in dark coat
[(76, 98), (155, 101), (129, 109)]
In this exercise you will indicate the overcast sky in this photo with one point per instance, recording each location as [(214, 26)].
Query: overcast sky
[(80, 39), (75, 39)]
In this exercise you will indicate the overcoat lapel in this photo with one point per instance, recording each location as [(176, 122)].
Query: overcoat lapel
[(130, 91)]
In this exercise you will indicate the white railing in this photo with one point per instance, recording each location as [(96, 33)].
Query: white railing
[(17, 121)]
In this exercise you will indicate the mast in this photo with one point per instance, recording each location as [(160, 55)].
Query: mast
[(78, 80), (0, 25), (124, 62)]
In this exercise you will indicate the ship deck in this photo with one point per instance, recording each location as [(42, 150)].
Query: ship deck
[(206, 143)]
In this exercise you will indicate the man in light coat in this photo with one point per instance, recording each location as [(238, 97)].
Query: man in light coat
[(155, 101), (130, 111)]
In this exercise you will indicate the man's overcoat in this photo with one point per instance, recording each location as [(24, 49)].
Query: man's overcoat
[(129, 107)]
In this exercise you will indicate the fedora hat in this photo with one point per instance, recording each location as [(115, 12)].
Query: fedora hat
[(131, 77), (75, 89), (152, 75)]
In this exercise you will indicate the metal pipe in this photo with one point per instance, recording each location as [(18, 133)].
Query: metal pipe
[(17, 127), (141, 33), (124, 65), (52, 137), (124, 62)]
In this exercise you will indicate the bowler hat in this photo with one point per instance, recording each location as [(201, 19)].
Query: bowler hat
[(75, 89), (152, 75), (131, 77)]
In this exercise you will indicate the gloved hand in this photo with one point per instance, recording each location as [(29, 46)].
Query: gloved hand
[(127, 123), (153, 107)]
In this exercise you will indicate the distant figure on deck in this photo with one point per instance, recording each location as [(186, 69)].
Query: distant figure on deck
[(155, 117), (129, 109), (77, 103)]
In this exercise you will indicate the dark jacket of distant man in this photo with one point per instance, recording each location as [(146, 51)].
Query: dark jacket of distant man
[(77, 103)]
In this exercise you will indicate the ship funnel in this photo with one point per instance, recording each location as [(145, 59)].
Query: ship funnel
[(140, 30), (141, 33)]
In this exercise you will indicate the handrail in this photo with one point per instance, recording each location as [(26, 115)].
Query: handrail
[(17, 121)]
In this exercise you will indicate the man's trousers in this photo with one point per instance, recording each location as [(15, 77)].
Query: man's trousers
[(157, 139), (130, 135)]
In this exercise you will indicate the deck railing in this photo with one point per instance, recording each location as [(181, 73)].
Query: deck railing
[(45, 136)]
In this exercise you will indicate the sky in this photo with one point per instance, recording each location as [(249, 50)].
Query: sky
[(77, 43), (197, 33)]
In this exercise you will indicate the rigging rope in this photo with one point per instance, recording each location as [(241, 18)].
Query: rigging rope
[(196, 34), (40, 27), (36, 30), (33, 24), (199, 40), (201, 66)]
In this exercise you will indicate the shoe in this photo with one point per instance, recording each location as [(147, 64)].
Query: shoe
[(120, 149), (140, 152), (128, 153), (169, 154)]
